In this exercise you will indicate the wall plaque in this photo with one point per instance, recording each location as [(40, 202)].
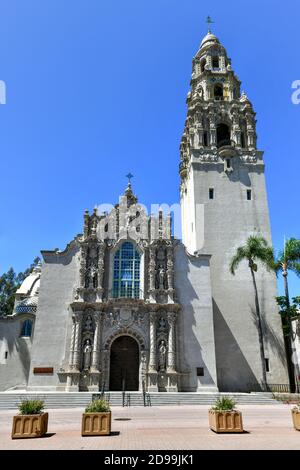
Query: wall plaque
[(43, 370)]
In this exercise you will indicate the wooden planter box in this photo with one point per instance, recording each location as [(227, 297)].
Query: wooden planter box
[(25, 426), (96, 424), (296, 419), (225, 421)]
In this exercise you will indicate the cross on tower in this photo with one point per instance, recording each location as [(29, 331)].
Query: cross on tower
[(129, 176), (209, 21)]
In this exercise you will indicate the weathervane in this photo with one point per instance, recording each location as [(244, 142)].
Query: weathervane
[(129, 176), (209, 21)]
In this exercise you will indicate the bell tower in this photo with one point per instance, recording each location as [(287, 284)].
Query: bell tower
[(219, 139), (223, 201)]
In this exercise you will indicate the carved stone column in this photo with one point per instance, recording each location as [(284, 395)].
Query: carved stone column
[(77, 341), (170, 274), (96, 345), (171, 343), (152, 357), (83, 254), (213, 130), (152, 273), (237, 136), (101, 253), (200, 136), (250, 138), (71, 356)]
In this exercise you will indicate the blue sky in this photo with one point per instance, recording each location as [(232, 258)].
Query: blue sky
[(95, 89)]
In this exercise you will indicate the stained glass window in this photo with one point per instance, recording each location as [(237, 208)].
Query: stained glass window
[(126, 277)]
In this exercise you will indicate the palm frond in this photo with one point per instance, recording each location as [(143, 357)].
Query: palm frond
[(292, 250), (265, 255), (240, 255), (295, 267)]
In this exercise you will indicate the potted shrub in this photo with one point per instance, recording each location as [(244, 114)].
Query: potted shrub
[(296, 416), (223, 417), (96, 421), (31, 422)]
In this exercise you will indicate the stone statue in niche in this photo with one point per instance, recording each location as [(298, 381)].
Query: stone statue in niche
[(88, 326), (87, 354), (198, 92), (161, 278), (143, 362), (92, 276), (162, 356), (162, 324), (94, 227)]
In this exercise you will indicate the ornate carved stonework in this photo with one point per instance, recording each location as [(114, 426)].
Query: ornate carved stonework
[(99, 317)]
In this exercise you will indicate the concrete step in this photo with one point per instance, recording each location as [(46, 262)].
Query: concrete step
[(10, 400)]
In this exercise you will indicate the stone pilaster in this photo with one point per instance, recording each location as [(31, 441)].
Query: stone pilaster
[(83, 254), (213, 131), (171, 343), (200, 136), (71, 355), (170, 266), (77, 341), (152, 356), (96, 345), (101, 253), (152, 274)]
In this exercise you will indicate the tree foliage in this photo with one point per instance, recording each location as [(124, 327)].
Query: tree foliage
[(255, 249), (289, 258), (288, 311), (9, 284)]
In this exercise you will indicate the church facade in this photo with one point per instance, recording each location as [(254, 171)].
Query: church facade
[(126, 306)]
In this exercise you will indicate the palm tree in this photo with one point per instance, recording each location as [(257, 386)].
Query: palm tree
[(255, 249), (289, 260)]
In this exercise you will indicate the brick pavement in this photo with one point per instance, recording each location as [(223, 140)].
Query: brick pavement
[(164, 428)]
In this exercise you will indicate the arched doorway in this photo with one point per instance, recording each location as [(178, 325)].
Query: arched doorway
[(223, 135), (124, 364)]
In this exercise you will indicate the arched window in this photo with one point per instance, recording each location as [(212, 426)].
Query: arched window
[(223, 135), (203, 63), (215, 62), (243, 140), (218, 92), (126, 280), (26, 328)]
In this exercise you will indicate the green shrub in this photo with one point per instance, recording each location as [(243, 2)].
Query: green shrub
[(224, 404), (98, 406), (31, 407)]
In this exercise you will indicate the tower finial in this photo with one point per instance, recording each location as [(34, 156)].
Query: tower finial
[(209, 21), (129, 176)]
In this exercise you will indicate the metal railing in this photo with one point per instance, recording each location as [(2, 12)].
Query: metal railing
[(272, 388), (126, 400), (146, 396)]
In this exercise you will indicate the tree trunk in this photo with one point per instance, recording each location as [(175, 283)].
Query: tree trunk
[(289, 339), (260, 333)]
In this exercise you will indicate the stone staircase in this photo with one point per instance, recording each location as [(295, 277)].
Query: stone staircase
[(10, 400)]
